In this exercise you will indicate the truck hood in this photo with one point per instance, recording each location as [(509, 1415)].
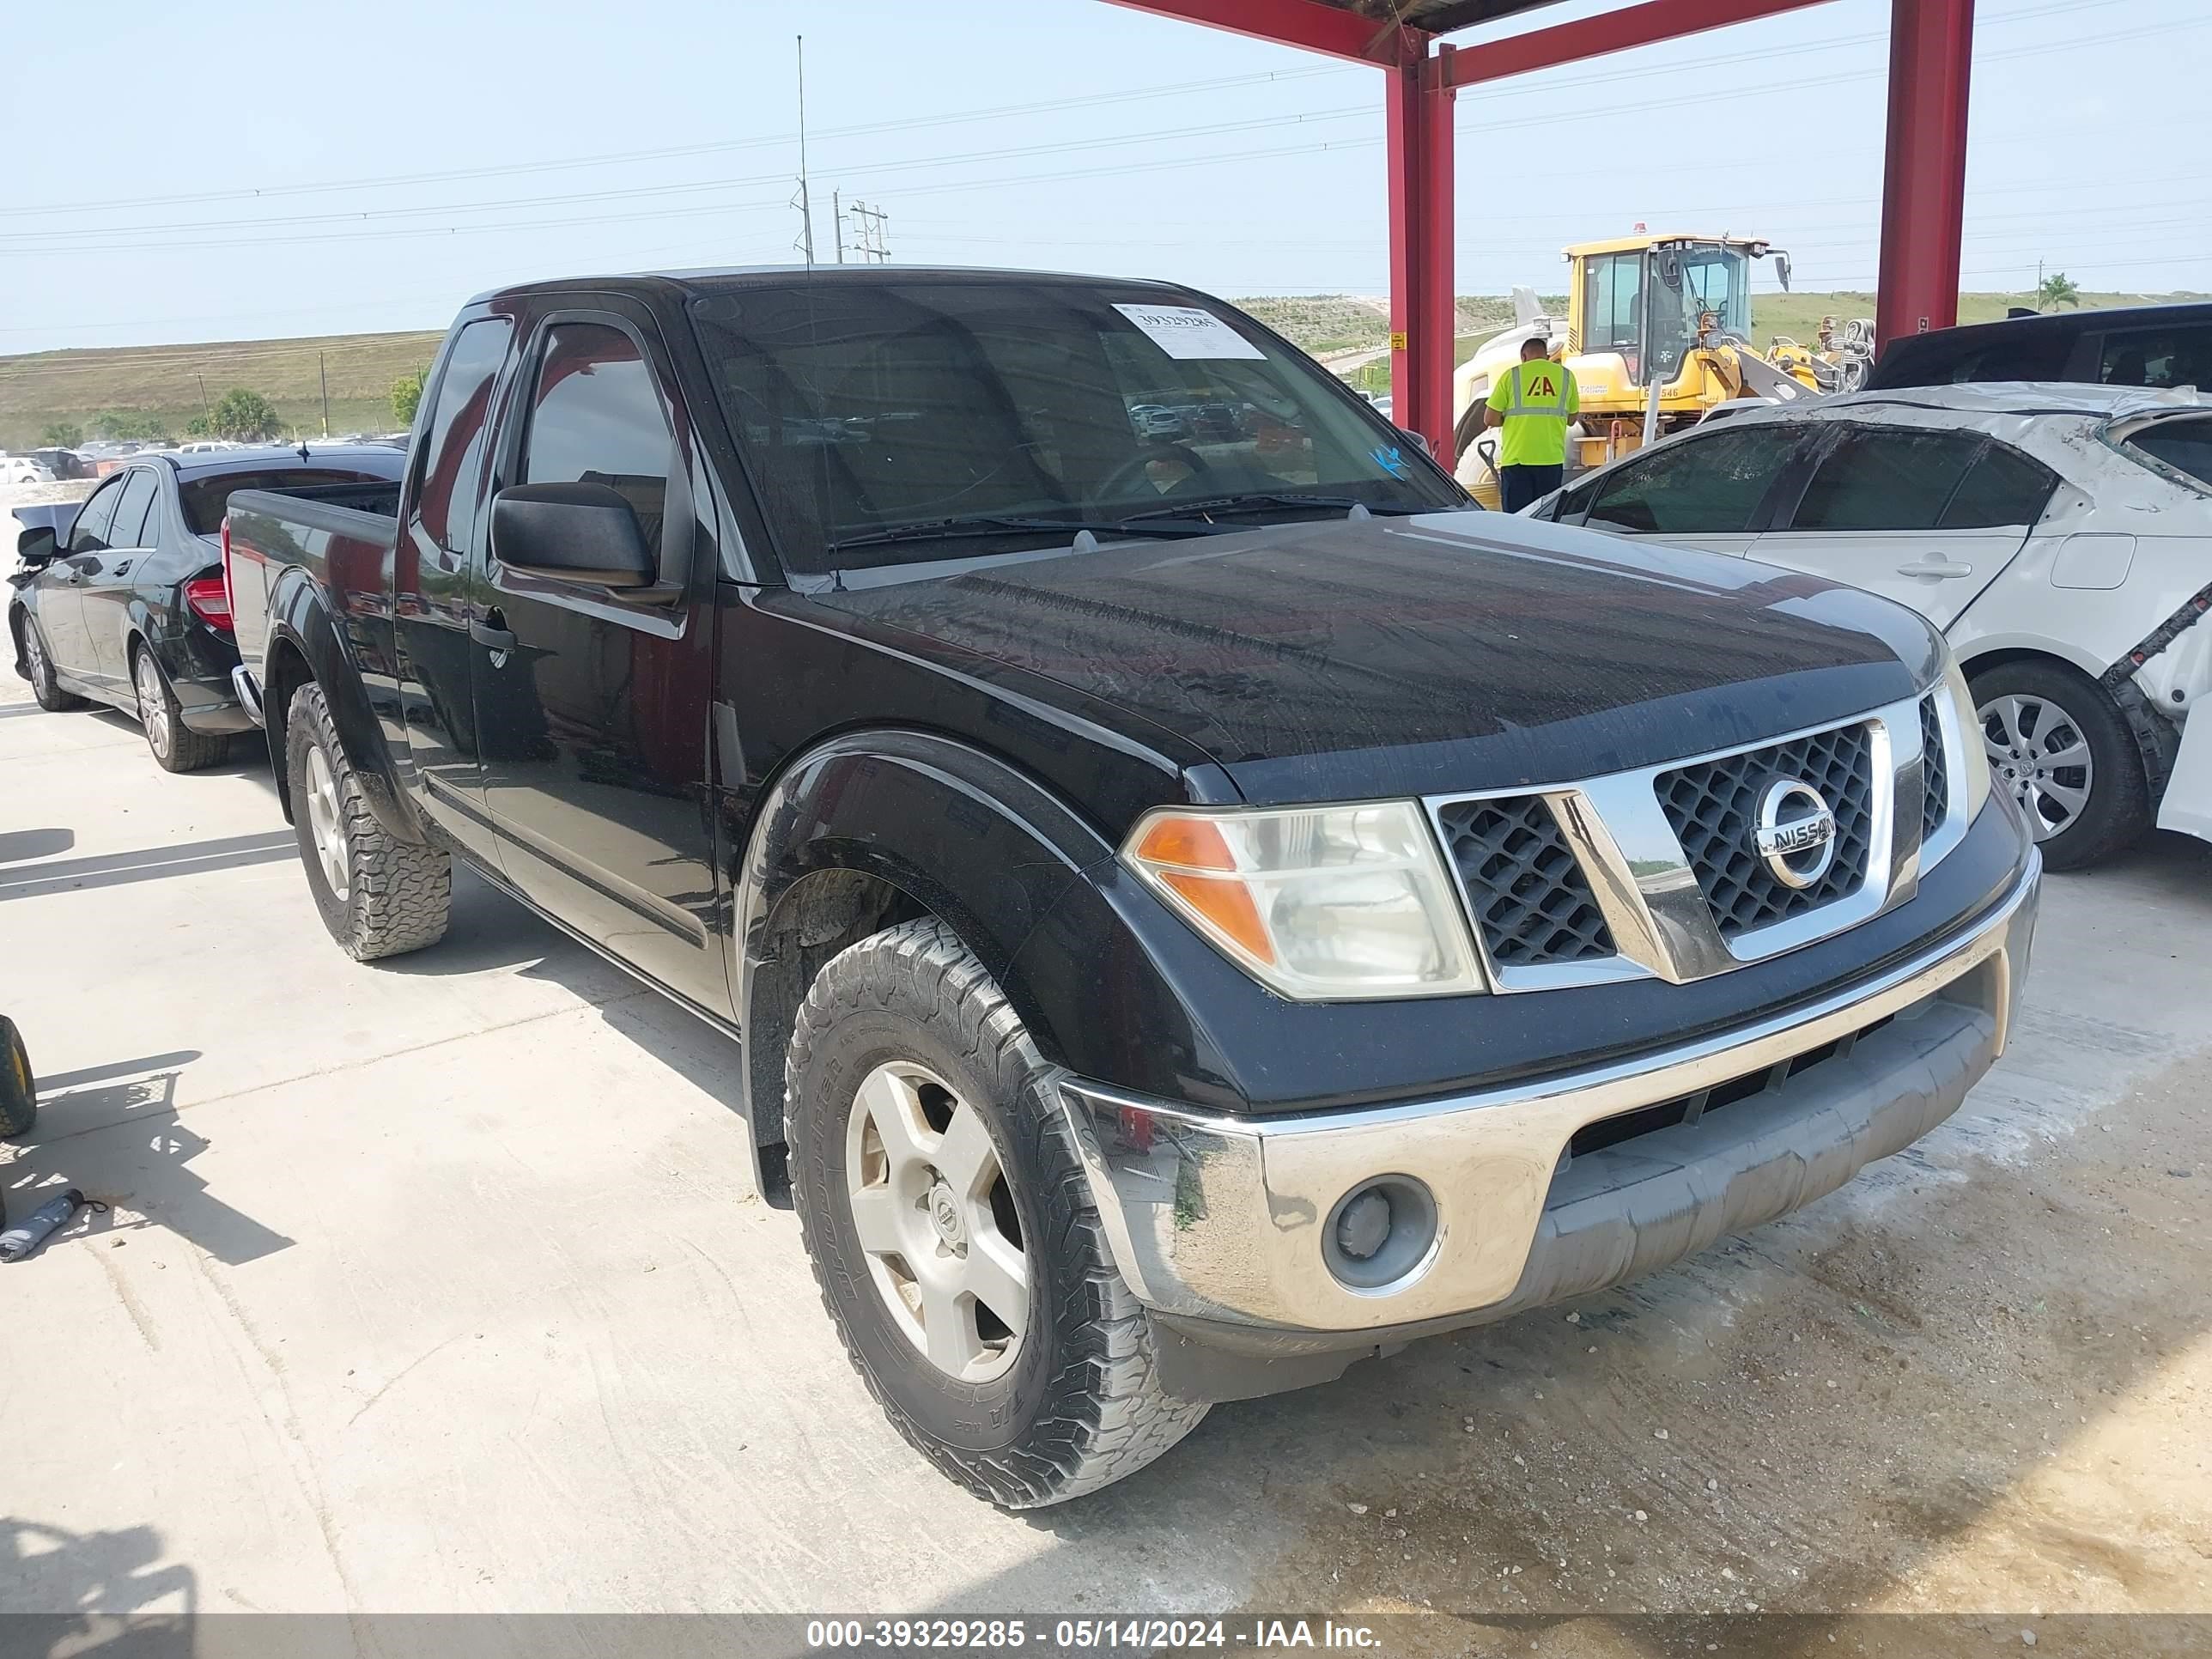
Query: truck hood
[(1354, 659)]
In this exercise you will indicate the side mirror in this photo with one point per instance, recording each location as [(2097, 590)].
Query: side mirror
[(37, 548), (570, 532), (1418, 439)]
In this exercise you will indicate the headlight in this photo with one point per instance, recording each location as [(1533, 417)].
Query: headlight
[(1319, 903), (1974, 757)]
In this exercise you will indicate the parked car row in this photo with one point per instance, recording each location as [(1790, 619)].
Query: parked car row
[(2047, 529), (121, 599)]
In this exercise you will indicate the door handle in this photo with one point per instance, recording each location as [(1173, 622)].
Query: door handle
[(1939, 569), (499, 641), (123, 569)]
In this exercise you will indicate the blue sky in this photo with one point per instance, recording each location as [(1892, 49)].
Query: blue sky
[(368, 168)]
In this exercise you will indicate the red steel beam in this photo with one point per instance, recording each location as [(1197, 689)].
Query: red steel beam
[(1631, 27), (1923, 187), (1306, 23), (1423, 312)]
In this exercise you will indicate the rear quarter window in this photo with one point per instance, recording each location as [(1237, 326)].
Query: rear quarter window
[(2184, 445)]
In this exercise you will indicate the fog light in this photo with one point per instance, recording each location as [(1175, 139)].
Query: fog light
[(1382, 1235)]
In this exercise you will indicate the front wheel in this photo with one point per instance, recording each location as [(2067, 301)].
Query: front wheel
[(18, 1094), (377, 894), (44, 686), (952, 1234), (2061, 748)]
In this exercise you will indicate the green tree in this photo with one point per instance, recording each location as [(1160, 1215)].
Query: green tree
[(124, 424), (63, 434), (245, 415), (407, 397), (2056, 289), (200, 426)]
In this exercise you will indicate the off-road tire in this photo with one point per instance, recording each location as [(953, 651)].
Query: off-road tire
[(39, 665), (18, 1092), (398, 892), (1082, 1406), (174, 745), (2118, 812)]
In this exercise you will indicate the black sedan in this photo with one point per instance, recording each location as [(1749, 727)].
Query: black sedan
[(127, 603)]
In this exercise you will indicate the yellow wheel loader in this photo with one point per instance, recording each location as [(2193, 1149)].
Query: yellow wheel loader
[(1658, 334)]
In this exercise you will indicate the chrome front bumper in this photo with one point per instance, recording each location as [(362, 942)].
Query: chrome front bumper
[(1222, 1220)]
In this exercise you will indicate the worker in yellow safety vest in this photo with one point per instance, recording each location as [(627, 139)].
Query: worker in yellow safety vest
[(1534, 401)]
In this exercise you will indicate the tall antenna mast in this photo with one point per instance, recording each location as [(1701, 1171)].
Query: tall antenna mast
[(804, 201)]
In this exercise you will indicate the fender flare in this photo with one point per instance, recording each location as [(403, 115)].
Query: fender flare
[(299, 618), (953, 829)]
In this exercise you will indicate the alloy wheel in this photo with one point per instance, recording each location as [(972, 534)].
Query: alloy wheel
[(326, 825), (34, 654), (936, 1221), (2039, 752), (153, 702)]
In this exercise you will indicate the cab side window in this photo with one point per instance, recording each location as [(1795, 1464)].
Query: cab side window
[(596, 418), (89, 534), (1707, 485), (451, 460), (2161, 358)]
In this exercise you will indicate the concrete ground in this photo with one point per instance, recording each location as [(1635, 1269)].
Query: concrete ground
[(437, 1286)]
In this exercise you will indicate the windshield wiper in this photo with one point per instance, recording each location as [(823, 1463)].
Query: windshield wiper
[(1244, 498), (935, 529)]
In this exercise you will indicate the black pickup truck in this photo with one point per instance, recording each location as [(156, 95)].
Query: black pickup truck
[(1198, 904)]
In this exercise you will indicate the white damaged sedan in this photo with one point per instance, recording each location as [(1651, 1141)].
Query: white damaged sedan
[(2050, 531)]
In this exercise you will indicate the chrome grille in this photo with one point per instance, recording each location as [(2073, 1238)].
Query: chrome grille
[(1528, 896), (1712, 805), (1936, 802)]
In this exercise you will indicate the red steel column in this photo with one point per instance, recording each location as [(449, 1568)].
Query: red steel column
[(1923, 197), (1423, 313)]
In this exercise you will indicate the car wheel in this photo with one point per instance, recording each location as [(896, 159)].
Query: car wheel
[(176, 746), (952, 1234), (378, 895), (2062, 749), (19, 1095), (44, 686)]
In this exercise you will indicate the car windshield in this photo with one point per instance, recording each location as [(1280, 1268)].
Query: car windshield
[(970, 413), (204, 499)]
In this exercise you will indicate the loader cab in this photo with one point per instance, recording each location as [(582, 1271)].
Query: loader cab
[(1652, 300)]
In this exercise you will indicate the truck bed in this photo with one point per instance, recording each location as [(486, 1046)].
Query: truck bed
[(337, 536)]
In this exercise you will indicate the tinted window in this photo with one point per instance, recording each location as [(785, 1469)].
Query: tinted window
[(2037, 357), (1696, 486), (1892, 479), (2158, 357), (203, 500), (866, 408), (451, 461), (89, 534), (139, 489), (2184, 445), (596, 418), (2002, 487)]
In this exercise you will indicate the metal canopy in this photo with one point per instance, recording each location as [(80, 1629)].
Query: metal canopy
[(1923, 184)]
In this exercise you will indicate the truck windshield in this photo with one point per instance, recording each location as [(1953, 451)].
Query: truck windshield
[(864, 406)]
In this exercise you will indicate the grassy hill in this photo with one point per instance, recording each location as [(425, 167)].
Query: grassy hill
[(165, 381)]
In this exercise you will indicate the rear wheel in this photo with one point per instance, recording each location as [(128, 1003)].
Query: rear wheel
[(951, 1230), (44, 686), (2061, 748), (176, 746), (378, 895), (19, 1096)]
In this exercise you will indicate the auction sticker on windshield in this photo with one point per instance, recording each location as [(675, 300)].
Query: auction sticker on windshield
[(1188, 332)]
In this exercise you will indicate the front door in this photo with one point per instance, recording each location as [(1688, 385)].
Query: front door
[(1707, 489), (592, 708), (61, 584), (1923, 517), (437, 583)]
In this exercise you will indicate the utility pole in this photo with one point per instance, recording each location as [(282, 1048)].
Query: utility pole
[(870, 240), (204, 410), (803, 201), (323, 373), (837, 219)]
